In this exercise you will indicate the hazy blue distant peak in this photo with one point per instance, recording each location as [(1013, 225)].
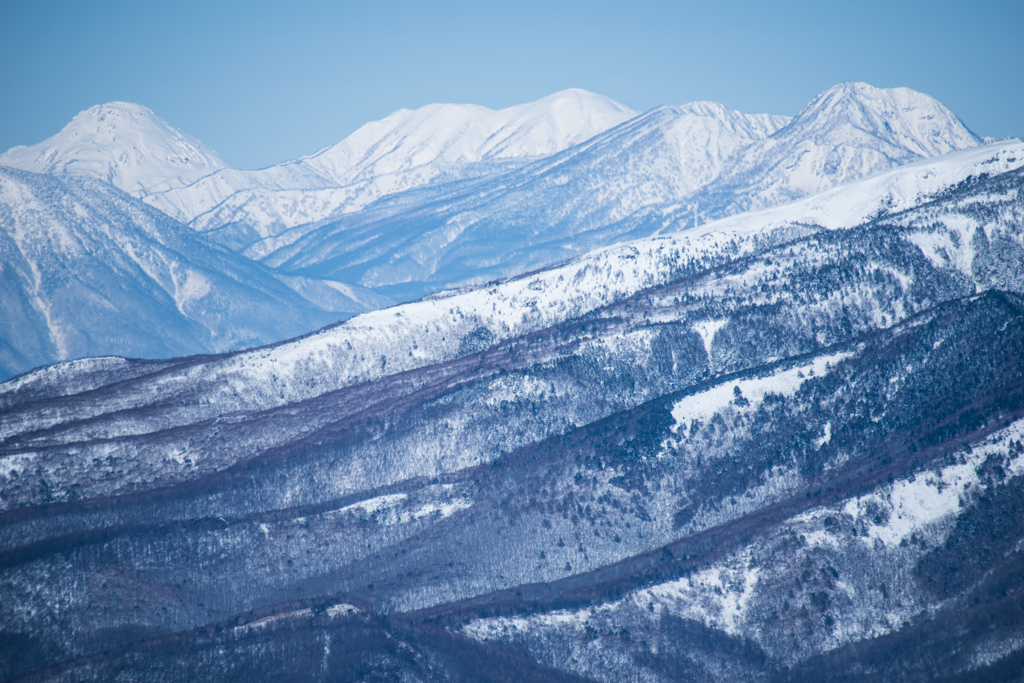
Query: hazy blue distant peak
[(123, 143)]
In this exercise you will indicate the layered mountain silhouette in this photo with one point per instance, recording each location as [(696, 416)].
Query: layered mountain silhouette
[(561, 392), (785, 445)]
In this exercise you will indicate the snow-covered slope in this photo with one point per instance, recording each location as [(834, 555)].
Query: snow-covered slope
[(407, 149), (125, 144), (786, 446), (449, 196), (498, 225), (87, 270)]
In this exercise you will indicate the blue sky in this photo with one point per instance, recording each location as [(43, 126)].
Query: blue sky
[(262, 82)]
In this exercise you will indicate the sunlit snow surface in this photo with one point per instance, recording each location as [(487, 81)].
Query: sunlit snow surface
[(404, 150), (442, 501)]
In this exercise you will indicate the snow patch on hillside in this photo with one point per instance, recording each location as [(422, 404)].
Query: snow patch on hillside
[(913, 505), (14, 465), (917, 502), (373, 505), (707, 331), (718, 596), (749, 393), (436, 502)]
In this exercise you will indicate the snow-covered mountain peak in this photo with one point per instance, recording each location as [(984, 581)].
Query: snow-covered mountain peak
[(123, 143), (455, 134), (898, 116), (850, 131)]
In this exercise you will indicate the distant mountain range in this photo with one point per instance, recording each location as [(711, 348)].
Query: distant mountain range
[(442, 197), (662, 171), (133, 148)]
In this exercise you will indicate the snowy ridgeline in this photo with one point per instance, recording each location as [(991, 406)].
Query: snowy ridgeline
[(128, 145), (436, 329), (687, 147)]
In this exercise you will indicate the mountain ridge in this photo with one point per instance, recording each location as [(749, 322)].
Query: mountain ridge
[(662, 171), (394, 154)]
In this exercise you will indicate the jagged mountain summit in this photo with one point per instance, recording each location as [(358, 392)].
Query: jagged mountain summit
[(783, 446), (124, 144)]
